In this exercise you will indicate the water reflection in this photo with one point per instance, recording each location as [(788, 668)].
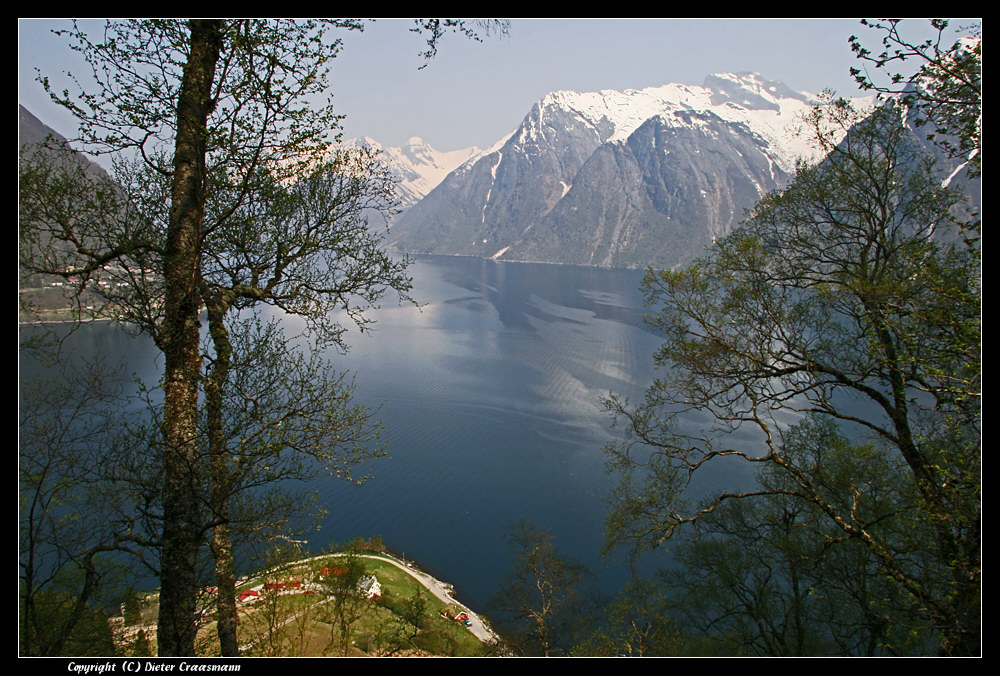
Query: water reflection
[(490, 395)]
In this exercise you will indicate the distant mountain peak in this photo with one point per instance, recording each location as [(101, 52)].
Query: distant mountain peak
[(417, 165), (614, 177)]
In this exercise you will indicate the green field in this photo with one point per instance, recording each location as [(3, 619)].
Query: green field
[(310, 617)]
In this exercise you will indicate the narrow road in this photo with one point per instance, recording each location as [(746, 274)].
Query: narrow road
[(443, 592)]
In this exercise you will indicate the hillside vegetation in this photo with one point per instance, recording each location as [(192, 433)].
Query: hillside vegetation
[(319, 607)]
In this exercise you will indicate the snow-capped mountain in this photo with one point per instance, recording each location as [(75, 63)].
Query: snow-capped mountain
[(418, 166), (618, 178)]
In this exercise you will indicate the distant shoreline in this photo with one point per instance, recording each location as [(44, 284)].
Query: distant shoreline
[(415, 254)]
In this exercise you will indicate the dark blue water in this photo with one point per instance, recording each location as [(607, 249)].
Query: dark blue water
[(490, 396)]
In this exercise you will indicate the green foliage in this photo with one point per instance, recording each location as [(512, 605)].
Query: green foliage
[(435, 642), (346, 602), (637, 623), (272, 76), (141, 646), (132, 607), (372, 544), (775, 576), (414, 609), (333, 616), (46, 631), (227, 194), (946, 91), (288, 415), (851, 296)]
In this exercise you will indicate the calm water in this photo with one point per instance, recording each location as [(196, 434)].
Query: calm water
[(490, 396), (492, 402)]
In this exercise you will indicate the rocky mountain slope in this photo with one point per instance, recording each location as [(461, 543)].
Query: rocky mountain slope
[(34, 136), (31, 130), (617, 178)]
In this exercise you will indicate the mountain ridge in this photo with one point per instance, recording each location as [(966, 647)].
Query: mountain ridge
[(574, 184)]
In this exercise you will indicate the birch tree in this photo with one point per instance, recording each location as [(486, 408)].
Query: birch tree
[(211, 114), (850, 296)]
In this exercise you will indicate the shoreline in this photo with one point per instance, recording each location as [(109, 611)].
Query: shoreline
[(414, 255)]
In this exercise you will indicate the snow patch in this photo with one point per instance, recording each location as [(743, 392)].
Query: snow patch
[(493, 174)]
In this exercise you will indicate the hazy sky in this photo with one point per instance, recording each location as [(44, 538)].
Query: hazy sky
[(474, 93)]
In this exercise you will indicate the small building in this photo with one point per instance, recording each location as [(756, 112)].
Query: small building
[(370, 586), (249, 594)]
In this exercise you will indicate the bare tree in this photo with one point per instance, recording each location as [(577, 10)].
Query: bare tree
[(543, 592)]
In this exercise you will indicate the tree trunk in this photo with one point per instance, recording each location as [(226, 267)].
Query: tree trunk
[(225, 580), (221, 480), (182, 523)]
